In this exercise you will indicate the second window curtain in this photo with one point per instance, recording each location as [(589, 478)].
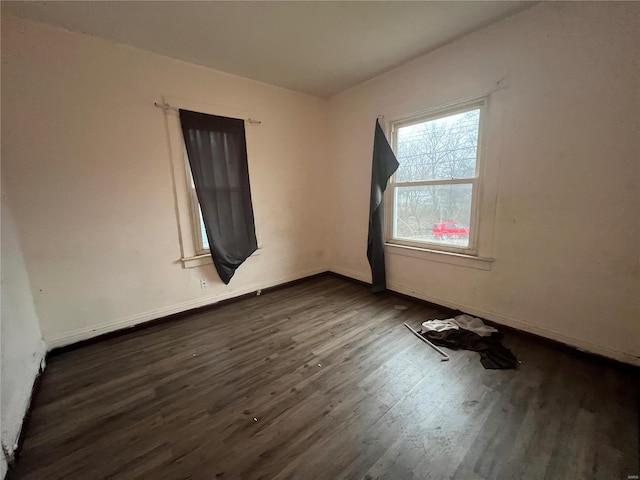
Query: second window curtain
[(384, 165), (217, 151)]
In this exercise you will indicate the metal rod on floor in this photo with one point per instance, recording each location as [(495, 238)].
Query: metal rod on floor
[(444, 358)]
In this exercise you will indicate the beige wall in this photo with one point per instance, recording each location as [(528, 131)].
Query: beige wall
[(21, 341), (563, 162), (87, 168), (86, 163)]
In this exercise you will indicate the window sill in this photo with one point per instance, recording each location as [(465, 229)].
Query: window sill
[(459, 259), (200, 260)]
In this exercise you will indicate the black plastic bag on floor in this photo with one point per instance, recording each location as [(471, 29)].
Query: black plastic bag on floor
[(493, 354)]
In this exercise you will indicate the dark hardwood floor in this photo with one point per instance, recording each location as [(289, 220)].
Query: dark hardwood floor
[(322, 381)]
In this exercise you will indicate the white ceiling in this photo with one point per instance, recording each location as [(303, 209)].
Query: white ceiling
[(320, 48)]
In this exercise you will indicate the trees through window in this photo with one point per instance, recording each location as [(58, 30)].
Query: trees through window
[(433, 193)]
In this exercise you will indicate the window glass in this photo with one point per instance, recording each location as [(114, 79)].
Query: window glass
[(420, 211), (438, 149), (433, 190), (203, 231)]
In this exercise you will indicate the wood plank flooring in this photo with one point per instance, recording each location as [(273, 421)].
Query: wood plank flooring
[(322, 381)]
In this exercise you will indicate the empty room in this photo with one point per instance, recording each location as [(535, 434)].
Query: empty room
[(320, 240)]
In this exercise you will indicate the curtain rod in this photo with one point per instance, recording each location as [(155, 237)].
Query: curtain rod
[(166, 107)]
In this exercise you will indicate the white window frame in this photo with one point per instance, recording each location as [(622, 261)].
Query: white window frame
[(192, 251), (476, 181)]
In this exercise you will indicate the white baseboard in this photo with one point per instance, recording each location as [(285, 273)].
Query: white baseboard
[(80, 334), (508, 321), (14, 413)]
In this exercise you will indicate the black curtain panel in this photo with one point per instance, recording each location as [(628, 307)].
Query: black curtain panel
[(384, 165), (217, 151)]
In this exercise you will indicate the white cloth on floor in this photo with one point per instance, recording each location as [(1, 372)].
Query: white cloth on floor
[(439, 325), (466, 322), (474, 325)]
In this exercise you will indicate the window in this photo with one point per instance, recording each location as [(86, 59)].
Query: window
[(193, 242), (433, 194), (199, 233), (218, 159)]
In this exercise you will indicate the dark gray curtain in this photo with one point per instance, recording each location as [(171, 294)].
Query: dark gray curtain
[(217, 151), (384, 165)]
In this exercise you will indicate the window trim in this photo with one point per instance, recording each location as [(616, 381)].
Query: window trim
[(442, 111), (439, 256)]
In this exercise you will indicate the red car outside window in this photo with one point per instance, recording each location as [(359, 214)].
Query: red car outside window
[(450, 229)]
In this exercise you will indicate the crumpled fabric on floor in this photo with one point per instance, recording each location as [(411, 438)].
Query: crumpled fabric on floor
[(466, 322), (475, 325), (493, 355), (439, 325)]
